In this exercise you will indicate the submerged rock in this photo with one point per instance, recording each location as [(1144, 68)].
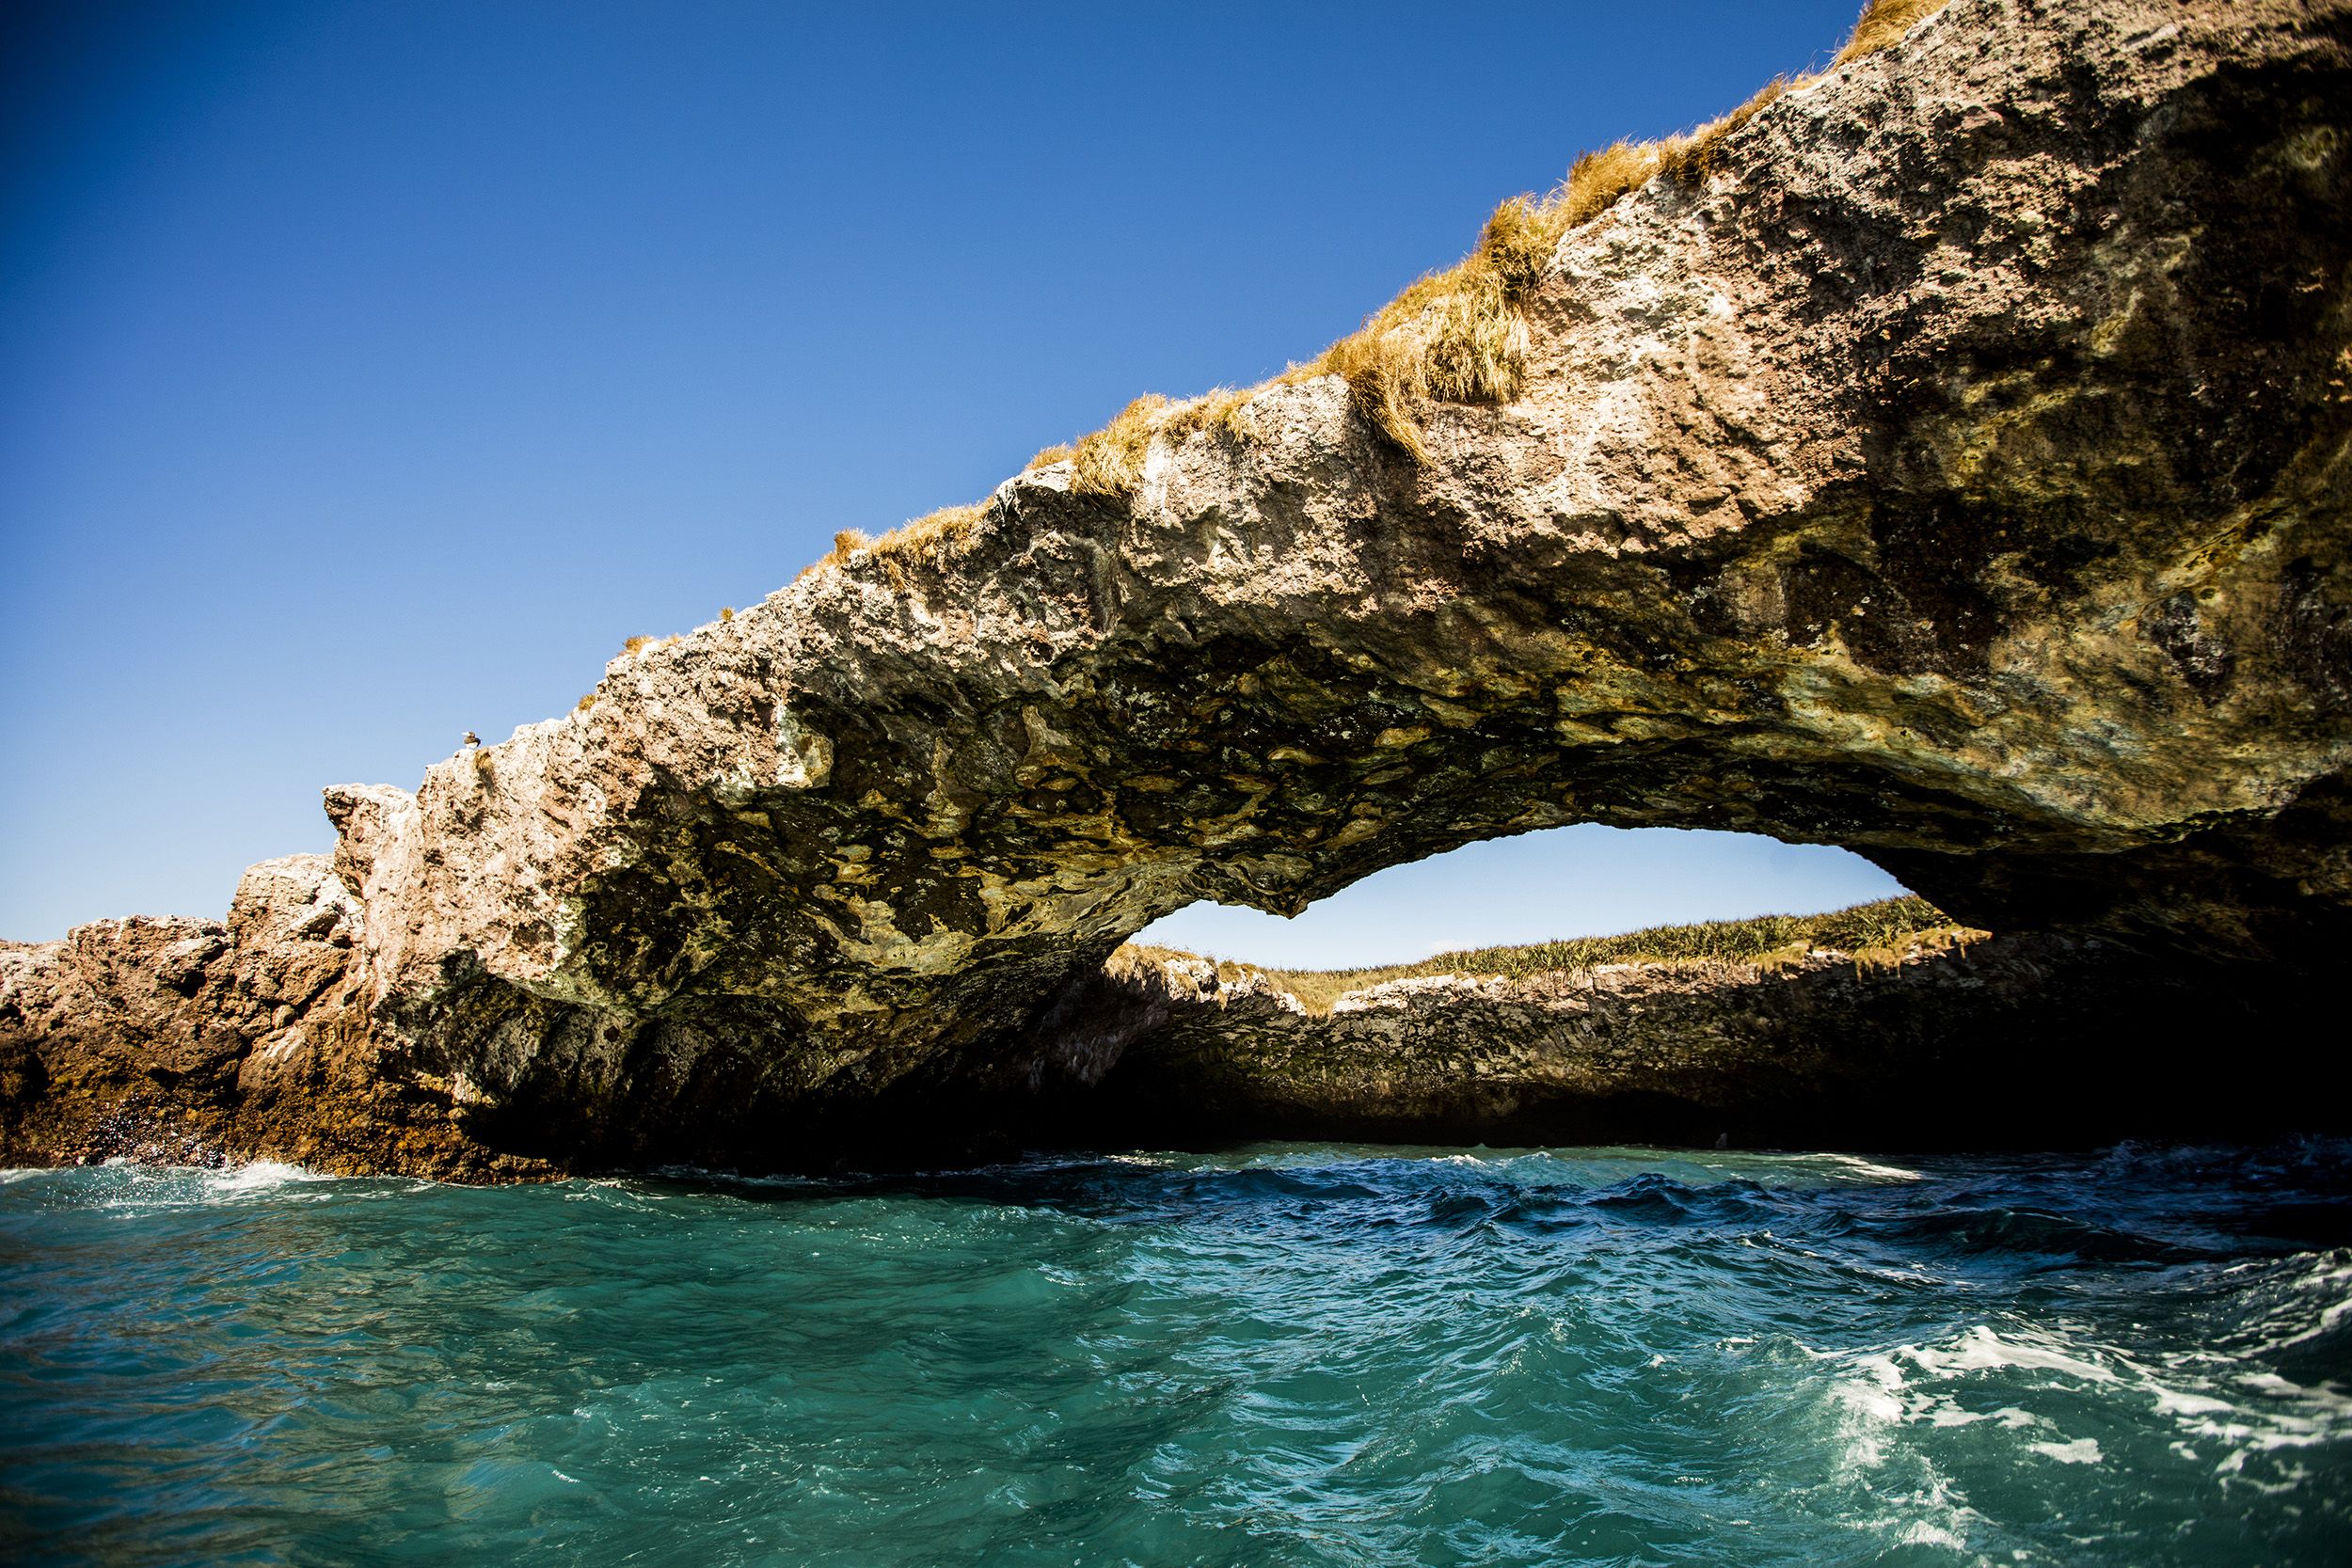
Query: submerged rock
[(1951, 465)]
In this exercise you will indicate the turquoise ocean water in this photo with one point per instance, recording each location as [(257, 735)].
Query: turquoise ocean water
[(1301, 1354)]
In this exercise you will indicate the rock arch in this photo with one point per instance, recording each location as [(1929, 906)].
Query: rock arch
[(1956, 472)]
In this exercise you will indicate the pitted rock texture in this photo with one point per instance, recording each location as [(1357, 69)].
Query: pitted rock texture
[(1957, 474), (189, 1041)]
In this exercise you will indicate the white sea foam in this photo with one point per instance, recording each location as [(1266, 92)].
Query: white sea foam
[(261, 1176), (2171, 1402), (1981, 1350), (1919, 1532), (1880, 1389), (2083, 1450), (1868, 1170), (2334, 1280), (2222, 1417), (1933, 1513), (143, 1188)]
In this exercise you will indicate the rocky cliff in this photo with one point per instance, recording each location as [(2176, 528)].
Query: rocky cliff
[(1945, 458), (2034, 1040)]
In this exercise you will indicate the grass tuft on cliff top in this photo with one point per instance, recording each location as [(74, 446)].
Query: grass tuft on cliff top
[(1876, 936), (1454, 336), (1882, 24)]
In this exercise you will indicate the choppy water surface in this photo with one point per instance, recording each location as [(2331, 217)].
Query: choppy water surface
[(1296, 1354)]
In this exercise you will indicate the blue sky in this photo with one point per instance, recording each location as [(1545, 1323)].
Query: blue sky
[(370, 371), (1586, 880)]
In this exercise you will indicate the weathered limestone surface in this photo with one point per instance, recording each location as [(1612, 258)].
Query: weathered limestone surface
[(1957, 474)]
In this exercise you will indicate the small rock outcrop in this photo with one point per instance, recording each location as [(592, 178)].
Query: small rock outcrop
[(1953, 465), (178, 1041)]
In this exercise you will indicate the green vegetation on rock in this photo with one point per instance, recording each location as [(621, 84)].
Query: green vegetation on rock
[(1875, 935)]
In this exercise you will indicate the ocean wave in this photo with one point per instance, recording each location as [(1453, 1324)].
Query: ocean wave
[(1320, 1354)]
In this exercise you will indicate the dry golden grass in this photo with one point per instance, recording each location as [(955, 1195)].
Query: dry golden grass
[(1224, 409), (1521, 235), (1524, 231), (1883, 25), (1871, 936), (1455, 335), (1518, 240), (1110, 460), (935, 536), (844, 543), (1693, 157)]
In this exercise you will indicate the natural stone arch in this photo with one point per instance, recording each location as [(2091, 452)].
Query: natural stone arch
[(1954, 469), (1957, 475)]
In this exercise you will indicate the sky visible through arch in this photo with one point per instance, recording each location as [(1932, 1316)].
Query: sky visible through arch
[(369, 372), (1586, 880)]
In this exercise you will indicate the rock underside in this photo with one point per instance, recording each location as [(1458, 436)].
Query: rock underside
[(1953, 469)]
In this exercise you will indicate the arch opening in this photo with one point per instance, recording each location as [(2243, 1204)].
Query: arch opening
[(1553, 885)]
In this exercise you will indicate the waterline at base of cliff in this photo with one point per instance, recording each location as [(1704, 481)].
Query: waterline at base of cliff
[(1310, 1353)]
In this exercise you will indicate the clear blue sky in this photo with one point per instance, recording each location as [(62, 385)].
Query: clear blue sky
[(369, 372)]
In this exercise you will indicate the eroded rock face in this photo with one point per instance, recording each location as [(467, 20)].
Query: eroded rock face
[(2041, 1039), (1957, 474), (190, 1041)]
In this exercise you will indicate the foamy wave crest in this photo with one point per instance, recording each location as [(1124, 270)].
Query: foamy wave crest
[(2222, 1415), (126, 1186), (261, 1176)]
